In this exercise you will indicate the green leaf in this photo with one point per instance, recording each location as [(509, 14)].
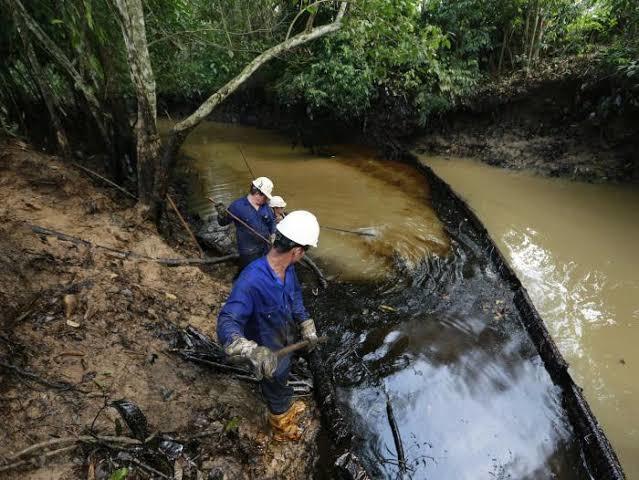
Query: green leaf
[(56, 21), (232, 424), (119, 474)]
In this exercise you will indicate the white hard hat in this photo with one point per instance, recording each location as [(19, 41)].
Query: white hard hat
[(277, 202), (264, 185), (301, 227)]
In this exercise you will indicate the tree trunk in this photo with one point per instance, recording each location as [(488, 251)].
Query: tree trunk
[(131, 17), (77, 81), (504, 45), (540, 35), (45, 89), (155, 161), (533, 37)]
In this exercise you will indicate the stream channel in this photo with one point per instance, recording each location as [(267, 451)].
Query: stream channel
[(417, 310)]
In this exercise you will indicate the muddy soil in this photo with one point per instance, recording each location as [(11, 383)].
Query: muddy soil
[(81, 327), (566, 120)]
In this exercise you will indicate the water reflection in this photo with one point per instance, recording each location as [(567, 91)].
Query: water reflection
[(572, 298)]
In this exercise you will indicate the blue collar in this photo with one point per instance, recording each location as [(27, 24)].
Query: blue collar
[(272, 272)]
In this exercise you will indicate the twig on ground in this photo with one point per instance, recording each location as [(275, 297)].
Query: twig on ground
[(50, 454), (132, 255), (184, 224), (32, 376), (83, 438), (148, 468)]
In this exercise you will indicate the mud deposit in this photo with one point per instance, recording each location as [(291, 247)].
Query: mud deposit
[(82, 327), (578, 126)]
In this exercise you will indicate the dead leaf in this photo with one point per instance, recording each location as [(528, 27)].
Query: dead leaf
[(387, 308), (73, 324)]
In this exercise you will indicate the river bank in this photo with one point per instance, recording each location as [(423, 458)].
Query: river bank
[(569, 119), (83, 326)]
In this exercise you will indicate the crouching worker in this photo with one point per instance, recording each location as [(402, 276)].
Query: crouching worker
[(263, 314)]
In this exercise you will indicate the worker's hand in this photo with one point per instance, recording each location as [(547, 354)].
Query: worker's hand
[(220, 208), (264, 361), (222, 214), (309, 333)]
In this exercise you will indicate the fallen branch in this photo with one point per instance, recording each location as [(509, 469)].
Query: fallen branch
[(50, 454), (36, 378), (397, 438), (83, 438), (399, 446), (95, 174), (196, 261), (128, 255)]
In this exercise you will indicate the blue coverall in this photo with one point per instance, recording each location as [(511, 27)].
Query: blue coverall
[(263, 309), (261, 220)]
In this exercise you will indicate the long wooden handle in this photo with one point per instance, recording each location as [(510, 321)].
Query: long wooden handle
[(294, 347)]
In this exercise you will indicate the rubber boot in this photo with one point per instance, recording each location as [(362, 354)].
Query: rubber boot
[(284, 425)]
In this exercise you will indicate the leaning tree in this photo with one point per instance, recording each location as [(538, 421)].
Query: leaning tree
[(155, 156)]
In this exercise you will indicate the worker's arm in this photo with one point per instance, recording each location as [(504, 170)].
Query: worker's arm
[(230, 331), (235, 314), (307, 324), (299, 311), (272, 222)]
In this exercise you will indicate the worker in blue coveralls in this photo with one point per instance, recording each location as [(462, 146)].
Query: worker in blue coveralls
[(252, 210), (263, 314)]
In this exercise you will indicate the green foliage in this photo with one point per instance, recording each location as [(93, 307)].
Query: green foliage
[(197, 46), (422, 54), (119, 474), (384, 49), (232, 425), (595, 25)]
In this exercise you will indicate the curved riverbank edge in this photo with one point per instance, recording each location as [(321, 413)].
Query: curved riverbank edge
[(600, 456)]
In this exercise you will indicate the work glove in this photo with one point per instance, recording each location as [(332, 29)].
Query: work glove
[(264, 361), (309, 333)]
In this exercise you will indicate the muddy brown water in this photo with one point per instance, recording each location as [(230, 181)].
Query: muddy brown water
[(352, 191), (574, 247), (412, 311)]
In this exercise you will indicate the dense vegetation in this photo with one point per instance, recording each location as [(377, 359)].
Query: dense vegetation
[(427, 54)]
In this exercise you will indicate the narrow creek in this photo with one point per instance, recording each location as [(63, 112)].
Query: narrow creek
[(417, 310), (573, 245)]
